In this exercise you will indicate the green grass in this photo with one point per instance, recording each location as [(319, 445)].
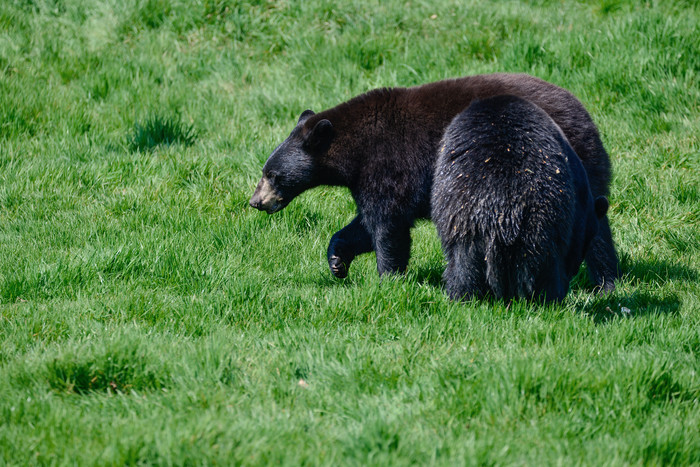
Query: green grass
[(148, 315)]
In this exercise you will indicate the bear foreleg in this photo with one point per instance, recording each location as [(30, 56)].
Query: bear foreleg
[(346, 244), (393, 247), (601, 258)]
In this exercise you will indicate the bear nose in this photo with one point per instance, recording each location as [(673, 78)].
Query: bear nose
[(255, 202)]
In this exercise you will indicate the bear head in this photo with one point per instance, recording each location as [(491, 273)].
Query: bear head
[(292, 168)]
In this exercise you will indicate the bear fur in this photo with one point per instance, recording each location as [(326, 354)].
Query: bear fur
[(511, 203), (383, 145)]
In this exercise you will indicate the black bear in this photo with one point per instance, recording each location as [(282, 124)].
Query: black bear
[(383, 145), (511, 203)]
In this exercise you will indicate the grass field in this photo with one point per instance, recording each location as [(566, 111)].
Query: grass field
[(149, 315)]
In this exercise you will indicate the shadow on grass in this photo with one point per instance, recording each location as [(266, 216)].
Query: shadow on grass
[(160, 130), (654, 271), (642, 303), (326, 280), (605, 308), (430, 275)]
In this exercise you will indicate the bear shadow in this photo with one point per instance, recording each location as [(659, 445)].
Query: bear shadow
[(653, 271), (326, 280), (606, 308), (602, 308), (430, 275)]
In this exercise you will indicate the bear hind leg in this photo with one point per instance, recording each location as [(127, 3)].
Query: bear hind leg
[(464, 275), (552, 285)]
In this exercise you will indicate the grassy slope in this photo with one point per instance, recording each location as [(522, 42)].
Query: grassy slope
[(147, 314)]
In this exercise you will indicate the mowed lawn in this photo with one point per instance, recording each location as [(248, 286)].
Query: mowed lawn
[(149, 315)]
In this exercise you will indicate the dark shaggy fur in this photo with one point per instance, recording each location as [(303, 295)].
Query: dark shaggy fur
[(511, 202), (383, 146)]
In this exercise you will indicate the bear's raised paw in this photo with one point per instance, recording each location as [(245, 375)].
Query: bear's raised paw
[(338, 267)]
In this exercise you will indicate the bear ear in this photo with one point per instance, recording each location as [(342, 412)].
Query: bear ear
[(601, 205), (304, 115), (319, 139)]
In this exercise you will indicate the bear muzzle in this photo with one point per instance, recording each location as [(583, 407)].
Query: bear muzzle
[(265, 198)]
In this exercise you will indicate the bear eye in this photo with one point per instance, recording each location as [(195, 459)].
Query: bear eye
[(271, 176)]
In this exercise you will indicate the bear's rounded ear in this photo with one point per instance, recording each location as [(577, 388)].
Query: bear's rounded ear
[(319, 139), (304, 115), (600, 205)]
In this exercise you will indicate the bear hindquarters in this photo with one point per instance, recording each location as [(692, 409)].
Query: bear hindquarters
[(507, 177)]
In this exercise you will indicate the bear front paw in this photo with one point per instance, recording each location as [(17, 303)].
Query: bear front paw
[(338, 267)]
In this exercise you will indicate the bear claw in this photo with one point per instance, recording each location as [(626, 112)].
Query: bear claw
[(338, 267)]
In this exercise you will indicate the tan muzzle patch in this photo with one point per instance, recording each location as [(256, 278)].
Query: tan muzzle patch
[(266, 198)]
